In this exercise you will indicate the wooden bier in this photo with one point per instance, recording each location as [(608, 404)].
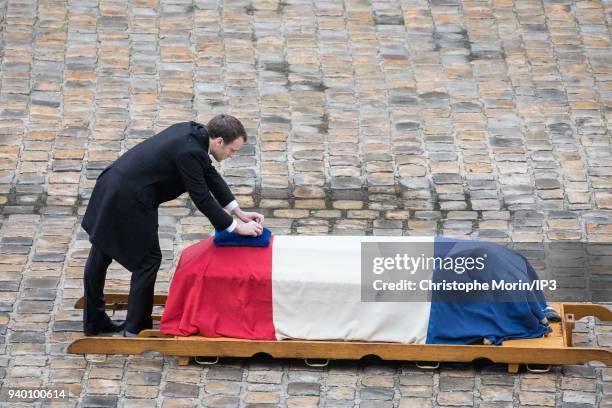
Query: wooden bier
[(555, 348)]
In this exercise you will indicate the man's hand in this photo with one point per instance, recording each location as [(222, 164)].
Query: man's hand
[(249, 229), (245, 216)]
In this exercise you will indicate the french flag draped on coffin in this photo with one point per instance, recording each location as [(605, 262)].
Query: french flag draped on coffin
[(310, 288)]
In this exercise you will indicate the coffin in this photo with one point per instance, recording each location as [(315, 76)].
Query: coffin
[(311, 288)]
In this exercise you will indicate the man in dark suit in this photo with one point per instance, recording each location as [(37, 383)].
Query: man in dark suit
[(121, 218)]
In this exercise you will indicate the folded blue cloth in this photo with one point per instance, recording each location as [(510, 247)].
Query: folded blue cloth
[(224, 238)]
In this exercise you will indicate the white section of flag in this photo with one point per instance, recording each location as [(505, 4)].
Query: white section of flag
[(316, 293)]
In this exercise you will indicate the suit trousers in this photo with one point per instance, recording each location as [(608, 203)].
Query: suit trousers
[(140, 300)]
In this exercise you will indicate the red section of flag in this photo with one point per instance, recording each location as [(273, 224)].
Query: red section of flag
[(221, 292)]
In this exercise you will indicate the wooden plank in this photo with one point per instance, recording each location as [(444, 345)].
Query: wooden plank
[(580, 310), (122, 298), (551, 341), (201, 346), (552, 349), (567, 327), (154, 333), (513, 368)]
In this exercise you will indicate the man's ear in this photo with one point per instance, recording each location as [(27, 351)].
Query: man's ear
[(214, 141)]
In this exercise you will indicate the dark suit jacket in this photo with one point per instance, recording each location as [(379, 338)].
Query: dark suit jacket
[(121, 218)]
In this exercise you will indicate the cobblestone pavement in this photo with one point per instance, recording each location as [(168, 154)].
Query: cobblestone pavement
[(485, 119)]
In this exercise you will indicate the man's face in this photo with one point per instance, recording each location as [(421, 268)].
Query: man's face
[(221, 151)]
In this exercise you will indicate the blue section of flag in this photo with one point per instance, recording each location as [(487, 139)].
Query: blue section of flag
[(225, 238), (487, 314)]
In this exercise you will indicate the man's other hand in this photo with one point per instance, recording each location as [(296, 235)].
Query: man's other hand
[(246, 216), (249, 229)]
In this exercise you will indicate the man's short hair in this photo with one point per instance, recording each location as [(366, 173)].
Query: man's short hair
[(227, 127)]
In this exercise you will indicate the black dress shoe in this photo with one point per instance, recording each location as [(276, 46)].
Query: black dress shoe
[(108, 327)]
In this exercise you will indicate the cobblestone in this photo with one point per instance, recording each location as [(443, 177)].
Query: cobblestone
[(484, 120)]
